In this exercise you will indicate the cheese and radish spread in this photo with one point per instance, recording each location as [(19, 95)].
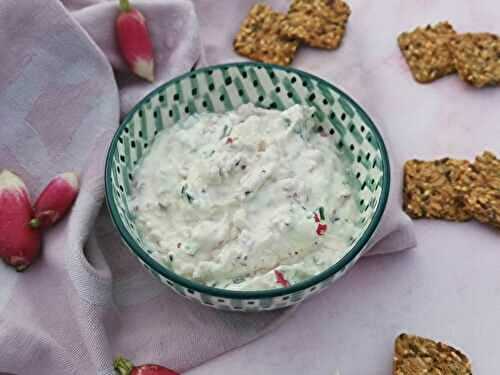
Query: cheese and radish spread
[(251, 199)]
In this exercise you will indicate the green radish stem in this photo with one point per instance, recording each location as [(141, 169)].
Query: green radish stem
[(125, 6), (34, 223), (123, 365)]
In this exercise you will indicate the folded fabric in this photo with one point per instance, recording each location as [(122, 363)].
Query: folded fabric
[(87, 300)]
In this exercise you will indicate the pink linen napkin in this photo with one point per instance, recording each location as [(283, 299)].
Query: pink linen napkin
[(87, 300)]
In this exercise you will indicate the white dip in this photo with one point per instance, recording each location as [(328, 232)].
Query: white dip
[(247, 200)]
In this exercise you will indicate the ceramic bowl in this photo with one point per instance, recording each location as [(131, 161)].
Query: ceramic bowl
[(223, 88)]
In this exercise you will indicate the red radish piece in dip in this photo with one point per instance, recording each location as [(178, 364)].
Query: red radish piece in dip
[(280, 279)]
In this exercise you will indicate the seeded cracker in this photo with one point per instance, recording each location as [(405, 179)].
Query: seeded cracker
[(477, 58), (416, 355), (318, 23), (428, 189), (480, 185), (427, 51), (259, 37)]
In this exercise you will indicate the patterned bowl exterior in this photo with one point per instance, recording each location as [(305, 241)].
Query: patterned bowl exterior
[(222, 88)]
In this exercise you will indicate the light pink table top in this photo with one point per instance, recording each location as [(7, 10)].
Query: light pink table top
[(449, 286)]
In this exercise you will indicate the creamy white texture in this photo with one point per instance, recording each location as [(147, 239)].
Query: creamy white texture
[(247, 200)]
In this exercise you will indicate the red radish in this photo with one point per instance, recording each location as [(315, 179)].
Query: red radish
[(19, 243), (55, 200), (321, 229), (125, 367), (280, 279), (134, 41)]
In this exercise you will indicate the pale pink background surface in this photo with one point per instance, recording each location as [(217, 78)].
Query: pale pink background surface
[(449, 286), (74, 310)]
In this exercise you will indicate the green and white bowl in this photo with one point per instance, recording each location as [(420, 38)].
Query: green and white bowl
[(223, 88)]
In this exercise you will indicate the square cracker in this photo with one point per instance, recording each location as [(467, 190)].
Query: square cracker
[(480, 186), (318, 23), (477, 58), (259, 37), (414, 355), (428, 189), (427, 51)]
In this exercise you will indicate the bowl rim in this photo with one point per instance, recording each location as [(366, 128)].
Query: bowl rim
[(251, 294)]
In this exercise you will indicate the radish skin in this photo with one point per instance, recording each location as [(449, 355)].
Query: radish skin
[(19, 243), (134, 41), (55, 200), (124, 367)]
